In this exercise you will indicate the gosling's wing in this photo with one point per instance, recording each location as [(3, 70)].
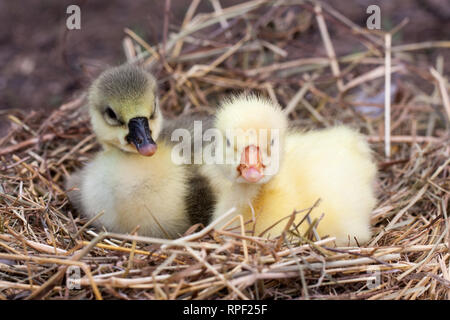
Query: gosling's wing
[(186, 122), (200, 199), (196, 125)]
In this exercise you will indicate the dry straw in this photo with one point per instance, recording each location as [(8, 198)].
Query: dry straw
[(253, 45)]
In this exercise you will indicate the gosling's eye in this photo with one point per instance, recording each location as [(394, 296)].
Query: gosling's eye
[(111, 117), (272, 142), (228, 143), (111, 114), (153, 115)]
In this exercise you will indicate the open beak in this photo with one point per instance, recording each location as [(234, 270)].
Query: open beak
[(251, 167), (140, 135)]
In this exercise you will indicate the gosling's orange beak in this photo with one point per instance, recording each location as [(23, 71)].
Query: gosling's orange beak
[(251, 167)]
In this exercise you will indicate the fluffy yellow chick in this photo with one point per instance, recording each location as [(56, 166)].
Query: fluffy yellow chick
[(333, 165), (250, 133), (132, 181)]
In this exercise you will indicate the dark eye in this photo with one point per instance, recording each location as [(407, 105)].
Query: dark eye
[(228, 143), (272, 142), (111, 114), (111, 117), (155, 105)]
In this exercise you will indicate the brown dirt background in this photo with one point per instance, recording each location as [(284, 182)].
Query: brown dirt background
[(35, 75)]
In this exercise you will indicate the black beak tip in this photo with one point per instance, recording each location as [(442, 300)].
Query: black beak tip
[(140, 135)]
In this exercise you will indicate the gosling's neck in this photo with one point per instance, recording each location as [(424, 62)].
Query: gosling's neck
[(244, 193)]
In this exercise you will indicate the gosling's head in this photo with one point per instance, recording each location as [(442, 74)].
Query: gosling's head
[(253, 130), (124, 109)]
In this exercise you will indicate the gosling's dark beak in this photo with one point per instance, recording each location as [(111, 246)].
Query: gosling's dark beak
[(140, 135)]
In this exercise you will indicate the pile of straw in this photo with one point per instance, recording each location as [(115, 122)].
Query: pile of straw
[(45, 245)]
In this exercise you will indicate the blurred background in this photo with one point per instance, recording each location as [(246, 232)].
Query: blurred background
[(43, 65)]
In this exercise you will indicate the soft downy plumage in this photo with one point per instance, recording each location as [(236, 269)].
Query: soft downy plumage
[(334, 165), (134, 180)]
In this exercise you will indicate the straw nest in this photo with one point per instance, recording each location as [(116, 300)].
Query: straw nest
[(45, 244)]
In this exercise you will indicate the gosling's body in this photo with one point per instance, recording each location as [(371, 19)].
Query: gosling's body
[(229, 194), (130, 181), (333, 165), (133, 190), (247, 117)]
